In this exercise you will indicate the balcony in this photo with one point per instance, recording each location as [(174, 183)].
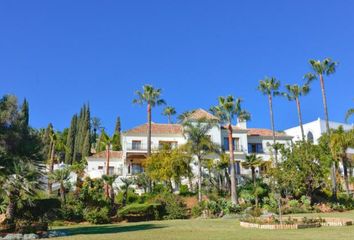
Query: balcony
[(237, 148), (134, 146)]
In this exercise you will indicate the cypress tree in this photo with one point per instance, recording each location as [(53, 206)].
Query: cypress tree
[(25, 113), (117, 145), (70, 141), (86, 148)]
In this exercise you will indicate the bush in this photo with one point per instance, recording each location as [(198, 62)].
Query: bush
[(131, 198), (141, 212), (184, 190), (97, 215), (294, 203), (197, 210), (173, 205), (42, 210)]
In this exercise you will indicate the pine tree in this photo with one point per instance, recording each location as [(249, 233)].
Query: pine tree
[(118, 126), (47, 141), (70, 141)]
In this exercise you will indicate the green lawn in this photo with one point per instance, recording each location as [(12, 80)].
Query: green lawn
[(204, 229)]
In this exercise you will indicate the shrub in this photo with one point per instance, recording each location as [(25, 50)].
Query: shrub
[(97, 215), (42, 210), (184, 190), (173, 205), (131, 198), (197, 210), (141, 212), (294, 203)]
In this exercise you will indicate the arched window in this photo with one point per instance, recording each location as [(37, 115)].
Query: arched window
[(310, 137)]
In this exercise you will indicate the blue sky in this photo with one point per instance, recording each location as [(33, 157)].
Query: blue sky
[(61, 54)]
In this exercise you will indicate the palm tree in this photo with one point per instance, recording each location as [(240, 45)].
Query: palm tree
[(96, 124), (319, 70), (293, 94), (151, 97), (127, 182), (61, 176), (169, 111), (79, 169), (270, 87), (251, 162), (106, 141), (339, 143), (53, 139), (22, 182), (109, 180), (199, 144), (227, 110), (349, 113)]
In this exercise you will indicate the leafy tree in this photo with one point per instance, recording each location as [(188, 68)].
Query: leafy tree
[(302, 170), (199, 144), (319, 70), (270, 87), (61, 176), (339, 142), (349, 113), (168, 165), (127, 182), (151, 97), (227, 110), (169, 111), (294, 92), (20, 155)]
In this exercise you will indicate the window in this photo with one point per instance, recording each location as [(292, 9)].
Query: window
[(136, 145), (255, 148), (310, 137), (169, 144), (235, 141), (100, 167), (111, 170)]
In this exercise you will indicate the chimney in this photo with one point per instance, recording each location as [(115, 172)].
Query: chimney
[(241, 124)]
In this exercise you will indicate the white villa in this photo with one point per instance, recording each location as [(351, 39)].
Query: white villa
[(314, 130), (128, 162)]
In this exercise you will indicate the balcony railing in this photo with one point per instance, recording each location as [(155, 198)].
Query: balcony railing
[(136, 146), (237, 148)]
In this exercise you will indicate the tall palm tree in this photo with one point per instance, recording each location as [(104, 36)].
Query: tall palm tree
[(169, 111), (251, 162), (227, 110), (96, 125), (349, 113), (109, 180), (61, 176), (199, 144), (106, 141), (319, 70), (269, 86), (53, 139), (294, 92), (339, 143), (151, 97)]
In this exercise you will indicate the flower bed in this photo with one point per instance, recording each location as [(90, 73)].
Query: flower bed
[(294, 223)]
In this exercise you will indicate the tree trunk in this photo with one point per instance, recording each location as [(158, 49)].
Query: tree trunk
[(62, 192), (270, 102), (149, 130), (325, 108), (111, 195), (234, 198), (254, 185), (298, 106), (199, 180), (51, 166), (169, 119), (345, 173), (107, 169), (11, 208), (190, 182)]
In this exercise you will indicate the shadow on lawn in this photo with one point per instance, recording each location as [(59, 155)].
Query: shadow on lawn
[(103, 229)]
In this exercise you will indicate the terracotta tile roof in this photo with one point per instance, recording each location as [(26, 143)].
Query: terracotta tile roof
[(201, 113), (264, 132), (157, 128), (113, 154)]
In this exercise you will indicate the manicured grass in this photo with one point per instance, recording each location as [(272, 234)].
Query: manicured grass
[(205, 229)]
